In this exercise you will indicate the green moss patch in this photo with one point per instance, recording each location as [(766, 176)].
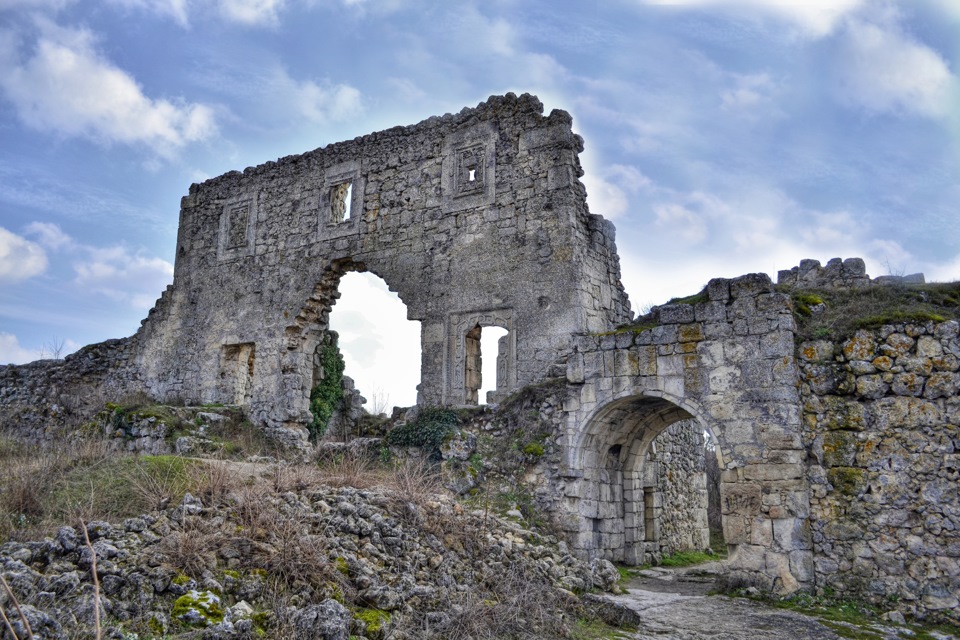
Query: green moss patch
[(198, 608), (376, 621)]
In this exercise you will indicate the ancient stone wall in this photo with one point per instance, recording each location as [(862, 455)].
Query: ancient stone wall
[(849, 273), (40, 399), (475, 220), (882, 421), (681, 483)]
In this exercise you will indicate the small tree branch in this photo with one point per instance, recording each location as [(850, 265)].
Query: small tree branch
[(96, 581), (16, 604)]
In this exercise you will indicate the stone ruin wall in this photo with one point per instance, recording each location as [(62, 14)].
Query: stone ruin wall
[(882, 425), (473, 219), (840, 459), (681, 482)]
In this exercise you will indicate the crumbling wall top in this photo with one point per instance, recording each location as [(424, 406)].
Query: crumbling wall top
[(838, 274)]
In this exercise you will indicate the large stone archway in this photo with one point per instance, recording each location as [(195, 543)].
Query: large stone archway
[(621, 479), (728, 362)]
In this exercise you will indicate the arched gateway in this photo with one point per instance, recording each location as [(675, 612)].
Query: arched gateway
[(727, 362)]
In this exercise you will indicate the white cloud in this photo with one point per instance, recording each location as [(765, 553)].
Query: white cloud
[(944, 272), (630, 178), (178, 10), (33, 4), (12, 353), (680, 222), (603, 197), (950, 7), (749, 91), (252, 12), (884, 70), (380, 347), (49, 235), (120, 275), (67, 87), (321, 103), (817, 18), (20, 258)]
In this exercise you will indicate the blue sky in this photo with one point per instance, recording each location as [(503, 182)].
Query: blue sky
[(722, 137)]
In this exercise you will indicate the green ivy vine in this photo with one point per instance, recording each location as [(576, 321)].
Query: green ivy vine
[(327, 395)]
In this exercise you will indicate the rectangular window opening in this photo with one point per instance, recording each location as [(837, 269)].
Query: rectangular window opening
[(341, 201)]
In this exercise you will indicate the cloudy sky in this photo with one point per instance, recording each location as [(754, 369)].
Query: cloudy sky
[(722, 136)]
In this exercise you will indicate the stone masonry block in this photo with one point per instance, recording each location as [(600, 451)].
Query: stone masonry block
[(718, 290), (575, 369), (626, 363), (676, 313), (692, 332)]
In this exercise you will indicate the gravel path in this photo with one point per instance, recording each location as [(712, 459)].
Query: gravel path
[(674, 605)]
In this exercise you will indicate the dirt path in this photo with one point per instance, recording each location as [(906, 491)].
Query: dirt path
[(673, 604)]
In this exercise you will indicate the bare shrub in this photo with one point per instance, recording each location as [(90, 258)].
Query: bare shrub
[(247, 509), (35, 487), (293, 477), (415, 481), (348, 469), (515, 603), (214, 479), (191, 549)]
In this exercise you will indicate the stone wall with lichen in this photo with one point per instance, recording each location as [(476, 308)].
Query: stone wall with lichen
[(882, 420), (42, 399), (682, 482)]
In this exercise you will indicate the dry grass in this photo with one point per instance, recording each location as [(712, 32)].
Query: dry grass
[(846, 310), (349, 469), (517, 603)]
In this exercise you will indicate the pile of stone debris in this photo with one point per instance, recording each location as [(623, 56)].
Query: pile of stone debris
[(309, 562)]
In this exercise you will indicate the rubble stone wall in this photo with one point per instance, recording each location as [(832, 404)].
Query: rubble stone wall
[(682, 484), (882, 424)]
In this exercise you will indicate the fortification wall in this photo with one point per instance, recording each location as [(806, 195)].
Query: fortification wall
[(882, 420), (40, 399), (682, 484)]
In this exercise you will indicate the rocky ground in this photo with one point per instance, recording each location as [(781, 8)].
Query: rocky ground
[(283, 557)]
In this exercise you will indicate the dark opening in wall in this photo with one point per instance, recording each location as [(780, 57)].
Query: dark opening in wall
[(236, 372)]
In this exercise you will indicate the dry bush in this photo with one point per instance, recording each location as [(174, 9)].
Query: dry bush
[(299, 558), (348, 469), (247, 509), (215, 479), (293, 477), (38, 486), (415, 481), (516, 603), (160, 480), (191, 550)]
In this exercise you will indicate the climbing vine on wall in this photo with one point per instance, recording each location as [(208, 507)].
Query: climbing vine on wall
[(327, 395)]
